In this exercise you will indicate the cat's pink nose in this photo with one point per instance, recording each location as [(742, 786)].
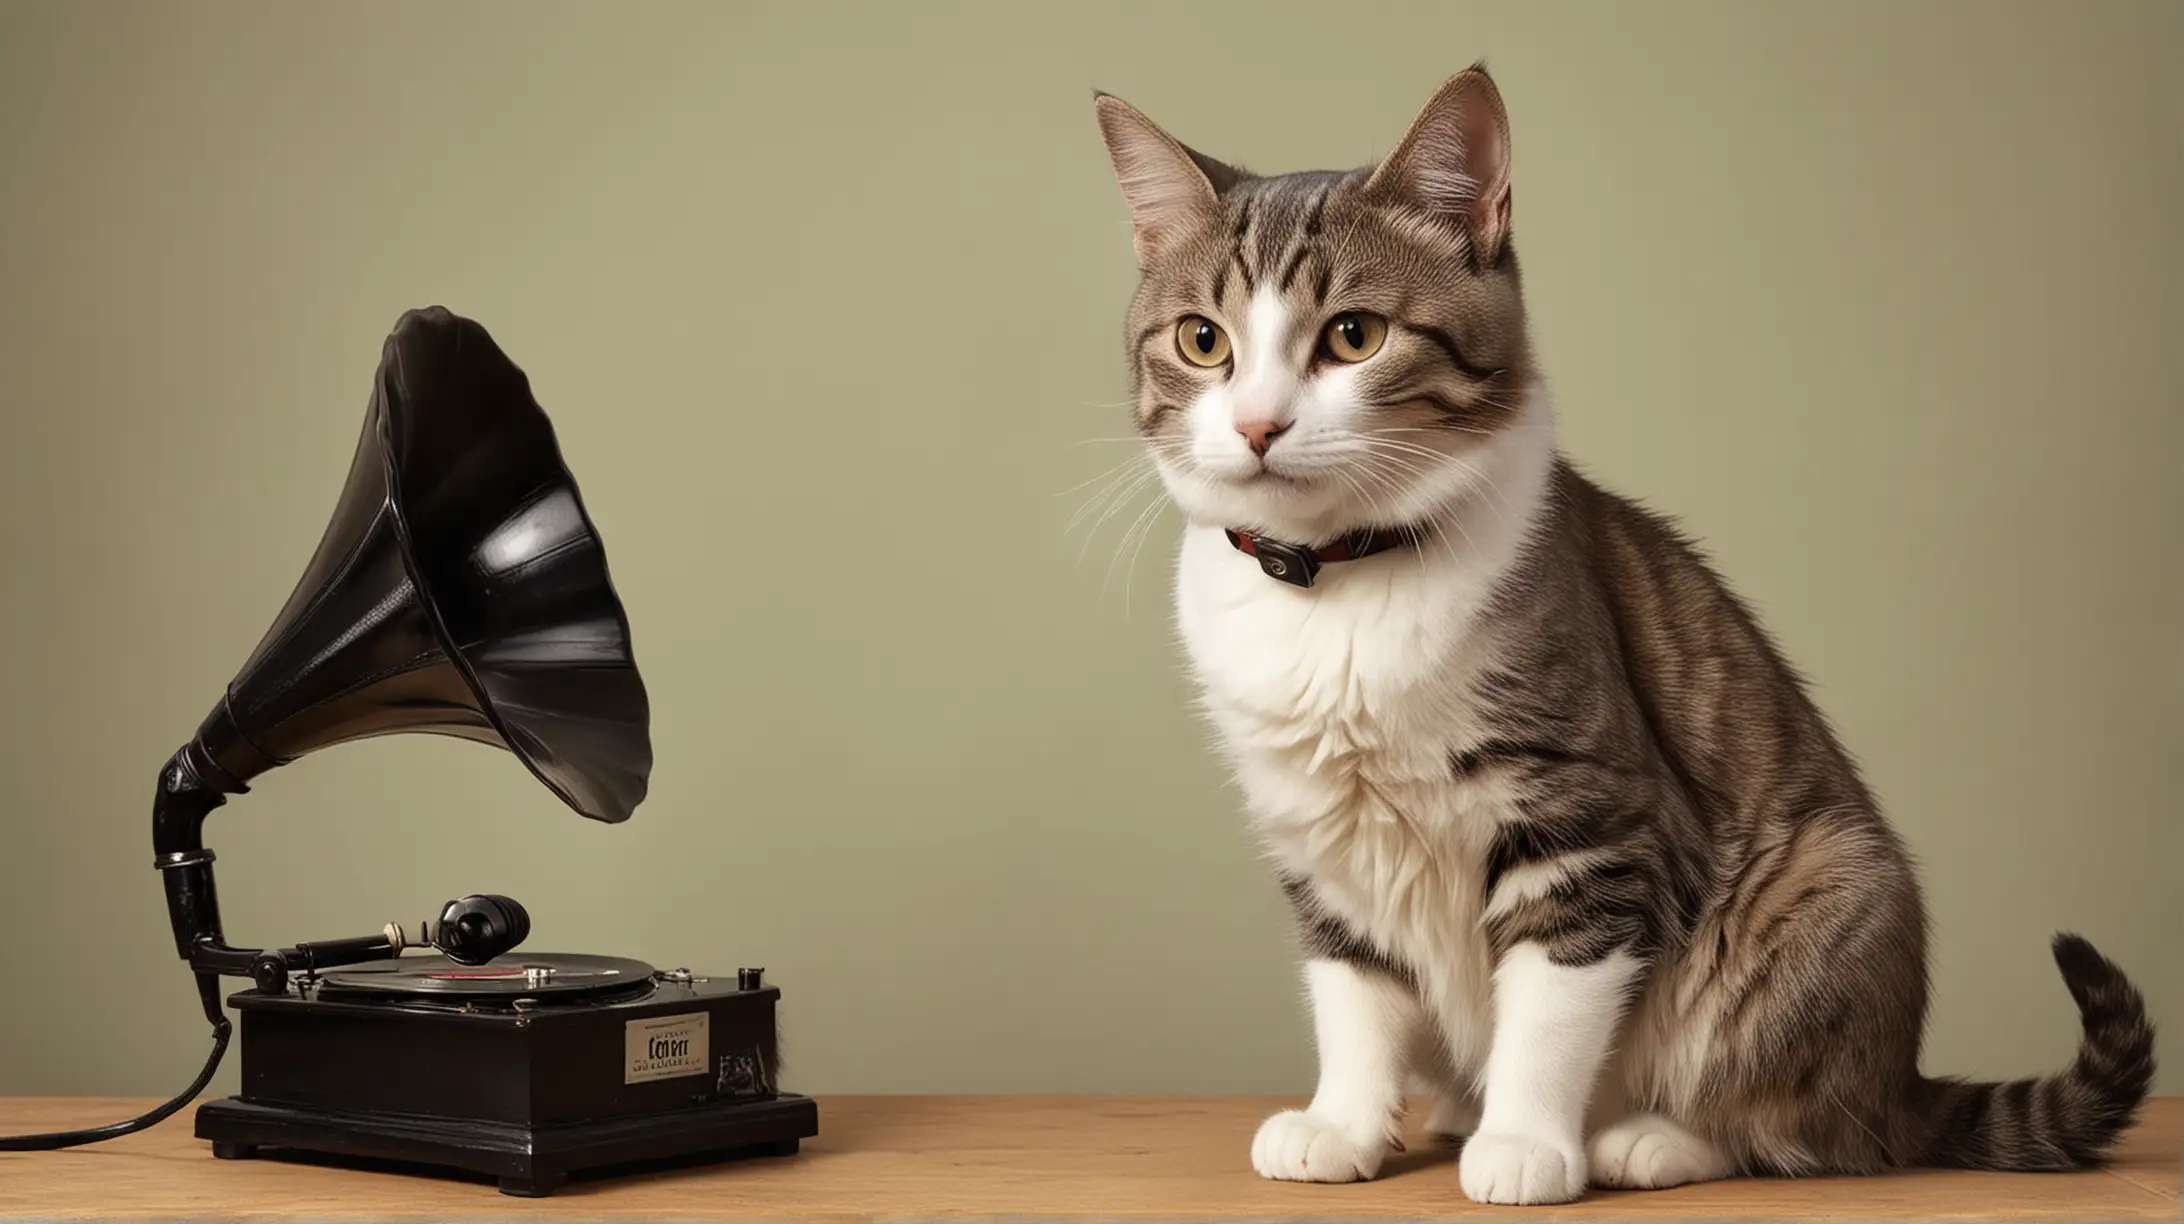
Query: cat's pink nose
[(1260, 434)]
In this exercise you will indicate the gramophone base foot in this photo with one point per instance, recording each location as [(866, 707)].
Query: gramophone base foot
[(525, 1161), (529, 1187)]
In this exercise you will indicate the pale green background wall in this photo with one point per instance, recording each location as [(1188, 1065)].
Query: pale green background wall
[(1883, 298)]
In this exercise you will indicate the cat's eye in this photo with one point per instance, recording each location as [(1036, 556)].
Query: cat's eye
[(1201, 341), (1354, 336)]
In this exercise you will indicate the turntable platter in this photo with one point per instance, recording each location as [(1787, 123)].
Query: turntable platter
[(543, 976)]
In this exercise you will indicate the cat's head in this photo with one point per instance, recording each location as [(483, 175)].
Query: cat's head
[(1317, 352)]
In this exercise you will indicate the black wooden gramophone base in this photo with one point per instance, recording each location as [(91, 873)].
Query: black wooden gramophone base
[(527, 1161), (526, 1069)]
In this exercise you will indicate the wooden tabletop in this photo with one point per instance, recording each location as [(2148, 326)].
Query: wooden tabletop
[(932, 1157)]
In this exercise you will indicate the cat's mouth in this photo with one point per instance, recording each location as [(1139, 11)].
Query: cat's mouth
[(1264, 478), (1230, 472)]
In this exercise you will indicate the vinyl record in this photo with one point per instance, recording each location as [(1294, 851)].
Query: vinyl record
[(544, 976)]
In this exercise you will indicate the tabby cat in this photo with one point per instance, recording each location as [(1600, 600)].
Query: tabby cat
[(1568, 843)]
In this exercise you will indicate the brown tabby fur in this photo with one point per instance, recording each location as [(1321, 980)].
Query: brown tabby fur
[(1644, 716)]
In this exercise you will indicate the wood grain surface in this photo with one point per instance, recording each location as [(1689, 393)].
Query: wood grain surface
[(935, 1157)]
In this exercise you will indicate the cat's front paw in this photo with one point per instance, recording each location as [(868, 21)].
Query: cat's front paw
[(1521, 1170), (1649, 1152), (1298, 1145)]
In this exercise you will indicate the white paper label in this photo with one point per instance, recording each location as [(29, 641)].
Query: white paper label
[(664, 1047)]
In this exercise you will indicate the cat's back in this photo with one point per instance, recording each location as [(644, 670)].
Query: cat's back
[(1728, 708)]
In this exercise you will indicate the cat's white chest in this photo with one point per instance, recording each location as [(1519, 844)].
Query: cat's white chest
[(1340, 708)]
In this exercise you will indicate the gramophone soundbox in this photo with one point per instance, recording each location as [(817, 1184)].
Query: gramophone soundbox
[(524, 1069)]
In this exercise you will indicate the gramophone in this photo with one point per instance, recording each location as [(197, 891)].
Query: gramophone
[(460, 590)]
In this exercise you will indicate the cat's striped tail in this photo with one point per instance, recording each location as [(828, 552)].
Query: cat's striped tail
[(2062, 1121)]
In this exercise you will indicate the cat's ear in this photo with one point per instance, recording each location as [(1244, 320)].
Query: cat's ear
[(1165, 182), (1454, 161)]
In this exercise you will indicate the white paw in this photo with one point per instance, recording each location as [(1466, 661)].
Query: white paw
[(1649, 1152), (1521, 1170), (1295, 1145), (1453, 1118)]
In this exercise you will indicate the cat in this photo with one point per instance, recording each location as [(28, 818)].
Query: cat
[(1567, 841)]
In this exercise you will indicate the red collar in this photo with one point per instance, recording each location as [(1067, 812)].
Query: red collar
[(1299, 566)]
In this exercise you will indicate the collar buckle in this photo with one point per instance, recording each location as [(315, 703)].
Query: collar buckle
[(1299, 566), (1286, 563)]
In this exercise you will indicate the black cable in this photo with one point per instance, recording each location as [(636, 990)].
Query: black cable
[(68, 1139)]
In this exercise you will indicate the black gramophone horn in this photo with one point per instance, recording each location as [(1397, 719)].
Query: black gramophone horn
[(459, 590)]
